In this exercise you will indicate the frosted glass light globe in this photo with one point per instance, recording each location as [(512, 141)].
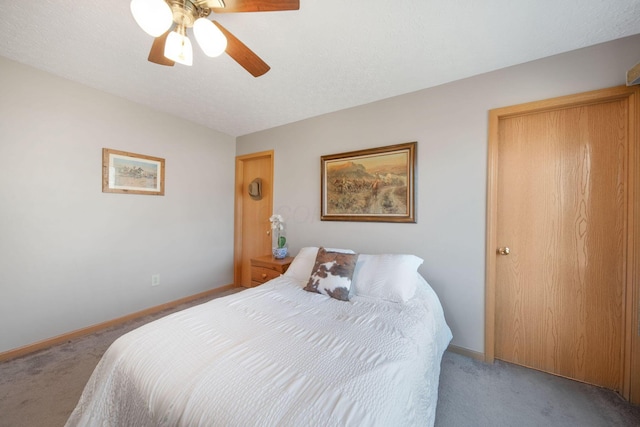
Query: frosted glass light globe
[(209, 37), (153, 16)]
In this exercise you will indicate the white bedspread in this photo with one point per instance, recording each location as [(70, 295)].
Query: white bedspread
[(274, 355)]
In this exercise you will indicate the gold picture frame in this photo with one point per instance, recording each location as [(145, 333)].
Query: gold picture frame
[(376, 184), (131, 173)]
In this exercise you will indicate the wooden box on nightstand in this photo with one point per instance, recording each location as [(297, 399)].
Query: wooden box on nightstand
[(265, 268)]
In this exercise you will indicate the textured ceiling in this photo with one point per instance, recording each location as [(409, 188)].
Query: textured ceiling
[(329, 55)]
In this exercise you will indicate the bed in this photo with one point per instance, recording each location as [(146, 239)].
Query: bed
[(282, 354)]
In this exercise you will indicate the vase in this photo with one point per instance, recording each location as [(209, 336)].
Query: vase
[(279, 243), (279, 253)]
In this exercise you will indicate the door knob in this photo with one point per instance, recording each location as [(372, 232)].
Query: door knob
[(503, 251)]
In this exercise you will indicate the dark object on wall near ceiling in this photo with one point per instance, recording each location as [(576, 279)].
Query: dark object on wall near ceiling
[(633, 75)]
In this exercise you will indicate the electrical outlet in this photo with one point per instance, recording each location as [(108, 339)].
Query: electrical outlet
[(155, 280)]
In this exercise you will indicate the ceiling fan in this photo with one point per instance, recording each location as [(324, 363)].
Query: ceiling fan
[(171, 44)]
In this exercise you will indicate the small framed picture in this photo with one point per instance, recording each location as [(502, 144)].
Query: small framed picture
[(131, 173)]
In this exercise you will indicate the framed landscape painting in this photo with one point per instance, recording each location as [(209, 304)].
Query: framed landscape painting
[(377, 184), (132, 173)]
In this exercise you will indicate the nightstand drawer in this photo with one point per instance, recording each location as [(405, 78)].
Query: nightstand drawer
[(262, 274), (265, 268)]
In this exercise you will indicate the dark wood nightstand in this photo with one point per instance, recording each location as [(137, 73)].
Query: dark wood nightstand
[(265, 268)]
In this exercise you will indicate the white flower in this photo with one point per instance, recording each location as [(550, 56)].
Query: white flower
[(277, 223)]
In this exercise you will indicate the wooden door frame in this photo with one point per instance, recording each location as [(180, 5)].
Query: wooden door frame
[(631, 300), (240, 185)]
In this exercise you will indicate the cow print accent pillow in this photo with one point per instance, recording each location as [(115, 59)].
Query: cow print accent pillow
[(331, 274)]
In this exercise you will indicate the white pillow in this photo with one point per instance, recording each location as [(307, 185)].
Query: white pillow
[(302, 264), (342, 251), (388, 276)]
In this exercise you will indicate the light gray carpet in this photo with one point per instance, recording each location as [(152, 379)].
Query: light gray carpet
[(43, 388), (474, 393)]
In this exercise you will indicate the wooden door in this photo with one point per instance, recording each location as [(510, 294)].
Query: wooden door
[(252, 227), (562, 206)]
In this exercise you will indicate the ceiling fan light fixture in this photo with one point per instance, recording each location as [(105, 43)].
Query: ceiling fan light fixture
[(178, 47), (153, 16), (209, 37)]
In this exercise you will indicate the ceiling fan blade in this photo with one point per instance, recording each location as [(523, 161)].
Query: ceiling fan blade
[(257, 6), (156, 54), (242, 54)]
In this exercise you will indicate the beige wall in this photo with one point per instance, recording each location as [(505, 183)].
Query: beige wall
[(450, 124), (72, 256)]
